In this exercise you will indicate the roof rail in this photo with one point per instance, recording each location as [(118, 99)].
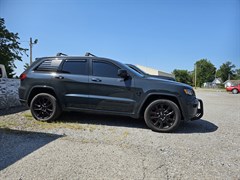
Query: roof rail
[(89, 54), (61, 54)]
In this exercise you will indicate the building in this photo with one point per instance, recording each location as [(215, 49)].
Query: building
[(152, 71), (217, 82)]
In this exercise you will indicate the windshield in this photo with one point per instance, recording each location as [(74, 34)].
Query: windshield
[(133, 70), (136, 69)]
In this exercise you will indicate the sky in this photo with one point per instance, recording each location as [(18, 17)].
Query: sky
[(162, 34)]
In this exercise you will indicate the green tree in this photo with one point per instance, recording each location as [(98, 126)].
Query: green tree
[(237, 74), (183, 76), (226, 70), (205, 71), (26, 65), (10, 49)]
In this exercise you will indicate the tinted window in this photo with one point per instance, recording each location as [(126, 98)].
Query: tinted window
[(49, 65), (75, 67), (104, 69)]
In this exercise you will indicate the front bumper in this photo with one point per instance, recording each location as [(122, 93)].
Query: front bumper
[(199, 113)]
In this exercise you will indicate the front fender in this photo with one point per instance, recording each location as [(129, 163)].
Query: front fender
[(151, 96)]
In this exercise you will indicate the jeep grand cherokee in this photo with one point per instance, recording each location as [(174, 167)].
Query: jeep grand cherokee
[(100, 85)]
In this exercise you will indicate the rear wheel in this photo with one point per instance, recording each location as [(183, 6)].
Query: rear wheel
[(234, 91), (44, 107), (162, 116)]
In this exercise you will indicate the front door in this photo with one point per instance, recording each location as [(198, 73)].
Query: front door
[(108, 92)]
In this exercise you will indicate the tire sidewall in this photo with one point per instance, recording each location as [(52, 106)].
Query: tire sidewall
[(173, 106), (54, 104), (234, 91)]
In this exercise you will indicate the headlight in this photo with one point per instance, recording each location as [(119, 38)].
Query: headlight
[(189, 92)]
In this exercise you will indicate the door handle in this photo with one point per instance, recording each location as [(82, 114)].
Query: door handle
[(96, 80), (59, 77)]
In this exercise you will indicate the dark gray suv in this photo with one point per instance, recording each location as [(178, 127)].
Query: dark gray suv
[(100, 85)]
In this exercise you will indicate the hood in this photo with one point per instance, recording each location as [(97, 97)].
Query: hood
[(168, 81)]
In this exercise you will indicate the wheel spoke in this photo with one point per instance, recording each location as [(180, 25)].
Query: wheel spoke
[(153, 113), (42, 100), (160, 124), (167, 110), (169, 124), (155, 124), (161, 107), (47, 113), (37, 109), (170, 113), (49, 105), (49, 110), (153, 118)]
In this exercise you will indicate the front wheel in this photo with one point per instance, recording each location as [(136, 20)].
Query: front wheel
[(162, 116), (234, 91), (44, 107)]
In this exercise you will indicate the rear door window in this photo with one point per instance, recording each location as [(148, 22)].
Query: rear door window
[(79, 67)]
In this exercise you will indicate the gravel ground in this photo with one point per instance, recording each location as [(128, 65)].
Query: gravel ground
[(83, 146)]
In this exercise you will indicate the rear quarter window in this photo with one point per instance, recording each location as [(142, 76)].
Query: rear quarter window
[(49, 65)]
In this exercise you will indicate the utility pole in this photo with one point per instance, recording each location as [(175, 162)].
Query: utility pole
[(195, 67), (31, 45)]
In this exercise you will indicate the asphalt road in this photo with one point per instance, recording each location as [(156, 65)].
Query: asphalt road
[(124, 148)]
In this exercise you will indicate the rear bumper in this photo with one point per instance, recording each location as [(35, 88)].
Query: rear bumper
[(22, 96), (23, 102), (199, 112)]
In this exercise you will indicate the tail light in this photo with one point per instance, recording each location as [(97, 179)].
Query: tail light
[(23, 76)]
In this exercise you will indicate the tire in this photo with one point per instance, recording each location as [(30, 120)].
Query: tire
[(162, 116), (234, 91), (44, 107)]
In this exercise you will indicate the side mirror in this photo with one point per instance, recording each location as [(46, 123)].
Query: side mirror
[(123, 73)]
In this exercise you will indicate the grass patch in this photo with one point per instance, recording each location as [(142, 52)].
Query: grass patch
[(4, 125), (58, 124), (125, 134), (27, 122), (28, 115), (8, 124)]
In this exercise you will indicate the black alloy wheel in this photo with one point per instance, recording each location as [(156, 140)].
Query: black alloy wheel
[(44, 107), (162, 116)]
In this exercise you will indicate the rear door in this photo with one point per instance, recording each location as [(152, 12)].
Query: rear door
[(73, 85), (107, 91)]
